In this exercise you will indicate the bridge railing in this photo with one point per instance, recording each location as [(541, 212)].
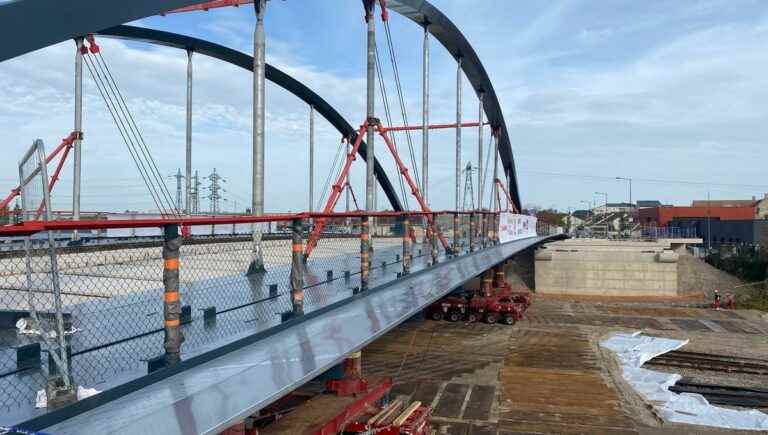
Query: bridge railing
[(181, 286)]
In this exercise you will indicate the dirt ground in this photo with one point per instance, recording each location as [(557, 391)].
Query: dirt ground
[(547, 374)]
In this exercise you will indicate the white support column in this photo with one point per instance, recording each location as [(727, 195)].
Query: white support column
[(480, 174), (425, 116), (258, 110), (257, 187), (370, 181), (311, 157), (77, 166), (494, 190), (188, 159), (458, 132), (348, 147)]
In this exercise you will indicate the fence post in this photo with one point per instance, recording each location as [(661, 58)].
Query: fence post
[(406, 245), (171, 303), (433, 239), (297, 272), (364, 252), (471, 232)]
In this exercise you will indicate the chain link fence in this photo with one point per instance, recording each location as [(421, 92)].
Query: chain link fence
[(113, 299)]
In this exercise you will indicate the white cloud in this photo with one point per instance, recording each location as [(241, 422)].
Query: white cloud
[(646, 94)]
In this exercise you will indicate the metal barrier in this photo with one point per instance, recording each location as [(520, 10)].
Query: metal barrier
[(129, 309), (655, 233)]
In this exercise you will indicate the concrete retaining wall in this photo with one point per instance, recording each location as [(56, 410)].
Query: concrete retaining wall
[(602, 267)]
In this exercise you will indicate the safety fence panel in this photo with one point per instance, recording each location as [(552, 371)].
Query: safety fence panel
[(115, 298), (332, 271)]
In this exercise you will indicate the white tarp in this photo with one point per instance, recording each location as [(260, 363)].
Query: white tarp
[(516, 226), (633, 350)]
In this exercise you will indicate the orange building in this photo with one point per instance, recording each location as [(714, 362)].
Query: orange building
[(660, 216)]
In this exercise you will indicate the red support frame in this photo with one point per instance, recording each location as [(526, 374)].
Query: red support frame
[(342, 179), (506, 194), (337, 424), (66, 145), (414, 189), (336, 191), (352, 192)]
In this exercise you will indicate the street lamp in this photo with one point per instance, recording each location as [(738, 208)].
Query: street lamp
[(605, 195), (630, 188)]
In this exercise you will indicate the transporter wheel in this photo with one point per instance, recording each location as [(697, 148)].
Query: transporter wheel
[(508, 319), (437, 315), (472, 317), (454, 316), (491, 318)]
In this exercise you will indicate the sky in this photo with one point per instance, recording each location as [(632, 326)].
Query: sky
[(671, 94)]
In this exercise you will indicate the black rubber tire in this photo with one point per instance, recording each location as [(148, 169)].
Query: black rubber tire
[(453, 316), (437, 315), (508, 319), (491, 318), (472, 318)]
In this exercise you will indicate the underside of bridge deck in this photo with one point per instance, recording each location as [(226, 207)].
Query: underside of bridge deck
[(205, 395)]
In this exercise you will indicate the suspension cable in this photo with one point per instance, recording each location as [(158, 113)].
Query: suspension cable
[(137, 133), (333, 171), (388, 114), (108, 102), (487, 168), (404, 113)]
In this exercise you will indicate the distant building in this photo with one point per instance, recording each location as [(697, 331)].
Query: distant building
[(582, 215), (727, 232), (648, 204), (661, 216), (723, 202), (760, 205), (615, 207), (572, 222)]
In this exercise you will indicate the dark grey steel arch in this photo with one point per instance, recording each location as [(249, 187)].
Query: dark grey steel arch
[(56, 21), (273, 74), (422, 12)]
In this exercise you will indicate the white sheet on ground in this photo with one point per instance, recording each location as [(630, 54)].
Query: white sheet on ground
[(633, 350)]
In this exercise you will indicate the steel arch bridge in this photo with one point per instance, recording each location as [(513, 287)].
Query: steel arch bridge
[(58, 21)]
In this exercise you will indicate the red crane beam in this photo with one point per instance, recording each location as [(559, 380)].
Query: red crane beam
[(431, 126)]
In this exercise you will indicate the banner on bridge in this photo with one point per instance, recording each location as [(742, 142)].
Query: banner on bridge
[(516, 226)]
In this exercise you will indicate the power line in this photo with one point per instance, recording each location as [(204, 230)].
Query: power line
[(643, 180)]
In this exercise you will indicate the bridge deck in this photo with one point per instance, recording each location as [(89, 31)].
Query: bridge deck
[(215, 394)]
